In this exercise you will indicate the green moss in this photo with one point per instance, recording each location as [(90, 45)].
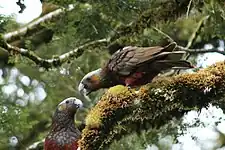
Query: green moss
[(118, 90), (93, 119), (101, 119)]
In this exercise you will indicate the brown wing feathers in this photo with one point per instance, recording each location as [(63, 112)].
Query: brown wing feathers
[(125, 61)]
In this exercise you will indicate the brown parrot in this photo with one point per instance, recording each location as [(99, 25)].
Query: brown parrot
[(132, 66), (63, 134)]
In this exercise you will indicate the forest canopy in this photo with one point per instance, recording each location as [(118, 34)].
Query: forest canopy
[(43, 61)]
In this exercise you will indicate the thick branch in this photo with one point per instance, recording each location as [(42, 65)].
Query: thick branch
[(156, 103)]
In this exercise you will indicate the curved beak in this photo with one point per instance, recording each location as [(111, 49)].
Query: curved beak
[(72, 104), (82, 90), (78, 103)]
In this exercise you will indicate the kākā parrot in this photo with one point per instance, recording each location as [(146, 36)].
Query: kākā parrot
[(132, 66), (63, 134)]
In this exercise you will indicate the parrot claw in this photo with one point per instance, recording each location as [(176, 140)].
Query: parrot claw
[(129, 87)]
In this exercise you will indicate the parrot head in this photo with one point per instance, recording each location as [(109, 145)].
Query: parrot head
[(69, 106), (91, 82)]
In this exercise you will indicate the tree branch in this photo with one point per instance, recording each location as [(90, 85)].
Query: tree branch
[(166, 10), (169, 39), (59, 60), (201, 50), (196, 32), (193, 37), (37, 145), (35, 25), (56, 61), (188, 8), (156, 103)]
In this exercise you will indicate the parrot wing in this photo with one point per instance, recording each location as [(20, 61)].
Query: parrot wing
[(128, 59)]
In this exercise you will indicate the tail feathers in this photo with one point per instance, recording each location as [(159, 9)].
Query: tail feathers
[(170, 53), (179, 64), (165, 51), (158, 51), (170, 47)]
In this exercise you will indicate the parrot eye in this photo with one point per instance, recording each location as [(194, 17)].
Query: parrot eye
[(88, 79), (85, 86), (67, 102)]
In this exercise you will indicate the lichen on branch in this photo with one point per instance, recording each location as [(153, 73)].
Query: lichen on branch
[(155, 103), (55, 61)]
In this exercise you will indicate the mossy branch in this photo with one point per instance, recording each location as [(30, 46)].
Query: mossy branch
[(121, 110), (168, 10), (35, 25), (156, 103), (55, 61)]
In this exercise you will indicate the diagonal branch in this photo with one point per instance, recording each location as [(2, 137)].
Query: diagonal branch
[(56, 61), (196, 32), (59, 60), (187, 49), (169, 39), (188, 8), (35, 25)]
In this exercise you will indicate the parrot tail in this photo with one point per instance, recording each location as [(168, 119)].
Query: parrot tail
[(175, 64), (170, 47)]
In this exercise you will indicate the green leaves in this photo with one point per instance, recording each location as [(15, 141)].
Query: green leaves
[(14, 121)]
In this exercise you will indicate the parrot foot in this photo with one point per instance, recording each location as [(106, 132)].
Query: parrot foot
[(129, 88)]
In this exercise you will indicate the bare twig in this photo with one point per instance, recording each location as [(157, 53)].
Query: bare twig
[(188, 10), (193, 38), (187, 49), (190, 42), (169, 39), (198, 51), (196, 32)]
